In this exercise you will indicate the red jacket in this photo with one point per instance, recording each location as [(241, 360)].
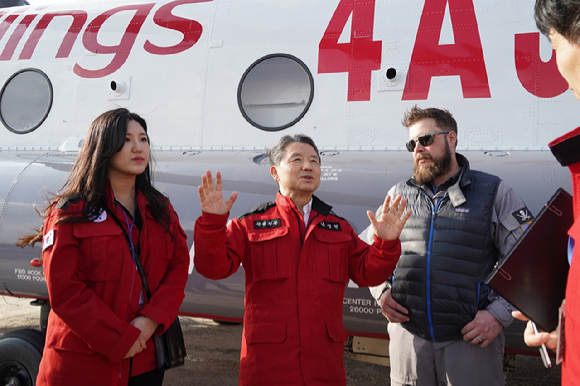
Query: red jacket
[(295, 282), (94, 290), (566, 151)]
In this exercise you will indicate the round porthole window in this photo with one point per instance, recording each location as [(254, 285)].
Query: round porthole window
[(25, 101), (275, 92)]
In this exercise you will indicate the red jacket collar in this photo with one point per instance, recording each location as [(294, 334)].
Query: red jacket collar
[(318, 206), (285, 202), (565, 148)]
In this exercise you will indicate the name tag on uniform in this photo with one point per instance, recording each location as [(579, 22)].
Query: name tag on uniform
[(331, 226), (268, 224)]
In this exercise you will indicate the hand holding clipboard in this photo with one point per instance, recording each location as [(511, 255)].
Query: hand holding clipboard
[(533, 275)]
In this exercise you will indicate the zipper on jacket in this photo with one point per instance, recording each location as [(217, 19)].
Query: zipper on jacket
[(299, 221), (434, 210), (486, 288), (311, 221)]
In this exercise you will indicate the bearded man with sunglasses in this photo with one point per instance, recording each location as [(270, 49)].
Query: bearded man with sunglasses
[(446, 326)]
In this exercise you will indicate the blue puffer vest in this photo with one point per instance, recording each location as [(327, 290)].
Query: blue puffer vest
[(447, 252)]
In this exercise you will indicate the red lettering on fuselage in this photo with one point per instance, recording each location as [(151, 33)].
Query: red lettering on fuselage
[(464, 58), (358, 57), (79, 20), (190, 29), (163, 17), (123, 49), (539, 78), (6, 23), (10, 46)]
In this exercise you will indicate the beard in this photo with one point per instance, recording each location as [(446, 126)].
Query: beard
[(425, 174)]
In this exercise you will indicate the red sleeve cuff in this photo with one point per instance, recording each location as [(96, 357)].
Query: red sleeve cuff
[(123, 345), (214, 220), (386, 245)]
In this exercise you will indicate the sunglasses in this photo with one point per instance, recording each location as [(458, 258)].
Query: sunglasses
[(425, 140)]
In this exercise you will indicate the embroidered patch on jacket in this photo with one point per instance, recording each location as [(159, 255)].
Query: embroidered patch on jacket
[(331, 226), (268, 224), (462, 210), (523, 217), (100, 218), (48, 239)]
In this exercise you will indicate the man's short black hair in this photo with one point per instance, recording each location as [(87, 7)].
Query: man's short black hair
[(562, 15), (275, 154)]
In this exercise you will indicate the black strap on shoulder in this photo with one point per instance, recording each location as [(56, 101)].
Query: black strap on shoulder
[(134, 253), (260, 208), (64, 202)]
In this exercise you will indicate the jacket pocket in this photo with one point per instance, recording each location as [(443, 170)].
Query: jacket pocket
[(265, 333), (62, 338), (101, 247), (336, 332), (267, 258), (332, 255)]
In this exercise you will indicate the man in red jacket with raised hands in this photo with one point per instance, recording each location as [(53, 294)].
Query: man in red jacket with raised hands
[(298, 257)]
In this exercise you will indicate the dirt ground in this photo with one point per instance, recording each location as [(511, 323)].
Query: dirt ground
[(213, 352)]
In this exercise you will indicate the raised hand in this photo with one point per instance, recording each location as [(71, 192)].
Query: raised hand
[(392, 219), (211, 197)]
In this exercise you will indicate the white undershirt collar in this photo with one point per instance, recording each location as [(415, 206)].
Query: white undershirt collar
[(307, 208)]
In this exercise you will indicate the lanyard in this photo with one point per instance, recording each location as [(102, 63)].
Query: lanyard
[(130, 228), (131, 247)]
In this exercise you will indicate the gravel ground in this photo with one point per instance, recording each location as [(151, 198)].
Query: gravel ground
[(214, 349)]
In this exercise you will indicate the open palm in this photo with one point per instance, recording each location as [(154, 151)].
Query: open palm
[(211, 197), (392, 219)]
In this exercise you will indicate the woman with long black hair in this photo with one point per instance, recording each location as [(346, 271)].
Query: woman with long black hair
[(101, 322)]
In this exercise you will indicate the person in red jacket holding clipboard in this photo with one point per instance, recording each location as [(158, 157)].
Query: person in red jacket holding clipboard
[(298, 257), (559, 20)]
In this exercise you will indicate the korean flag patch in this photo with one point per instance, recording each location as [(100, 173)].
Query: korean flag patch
[(48, 239)]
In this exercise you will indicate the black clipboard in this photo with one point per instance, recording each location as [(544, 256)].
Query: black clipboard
[(532, 276)]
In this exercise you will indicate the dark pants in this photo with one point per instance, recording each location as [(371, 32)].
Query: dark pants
[(151, 378)]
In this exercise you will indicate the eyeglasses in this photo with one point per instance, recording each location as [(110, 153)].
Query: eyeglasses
[(424, 139)]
